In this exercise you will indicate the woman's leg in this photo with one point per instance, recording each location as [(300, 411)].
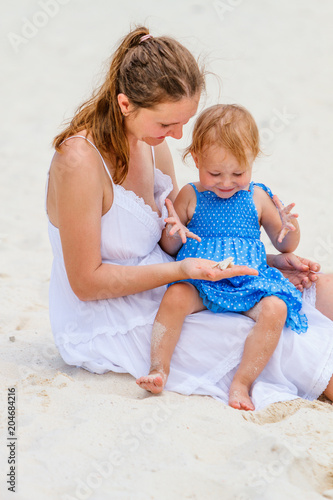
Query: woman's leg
[(324, 294), (329, 390), (270, 316), (324, 304), (180, 300)]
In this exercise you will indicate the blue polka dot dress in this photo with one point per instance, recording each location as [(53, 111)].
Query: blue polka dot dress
[(230, 228)]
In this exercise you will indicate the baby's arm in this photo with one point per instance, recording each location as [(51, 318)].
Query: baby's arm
[(280, 225), (175, 232)]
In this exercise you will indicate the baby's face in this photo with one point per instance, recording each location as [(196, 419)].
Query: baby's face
[(221, 173)]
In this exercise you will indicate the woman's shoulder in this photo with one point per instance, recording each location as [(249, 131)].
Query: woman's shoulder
[(76, 182), (75, 156)]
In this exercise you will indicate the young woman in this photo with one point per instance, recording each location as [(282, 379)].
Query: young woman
[(108, 180)]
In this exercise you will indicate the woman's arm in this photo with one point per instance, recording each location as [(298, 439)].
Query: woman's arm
[(79, 190), (164, 162), (303, 273), (300, 271), (78, 187)]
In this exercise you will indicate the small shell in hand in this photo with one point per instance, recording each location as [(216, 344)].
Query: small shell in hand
[(224, 264)]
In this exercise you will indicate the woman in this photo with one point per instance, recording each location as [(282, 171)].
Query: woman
[(105, 202)]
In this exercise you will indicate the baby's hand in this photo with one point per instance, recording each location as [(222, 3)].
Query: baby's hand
[(286, 217), (175, 227)]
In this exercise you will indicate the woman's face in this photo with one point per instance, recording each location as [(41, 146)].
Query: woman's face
[(153, 125)]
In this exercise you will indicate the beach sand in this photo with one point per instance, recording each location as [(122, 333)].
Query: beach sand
[(86, 436)]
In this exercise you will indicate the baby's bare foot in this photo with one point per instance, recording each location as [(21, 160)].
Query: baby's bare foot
[(239, 397), (154, 382)]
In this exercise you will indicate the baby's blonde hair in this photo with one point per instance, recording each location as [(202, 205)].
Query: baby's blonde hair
[(227, 125)]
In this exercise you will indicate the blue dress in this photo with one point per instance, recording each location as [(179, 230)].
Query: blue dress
[(230, 228)]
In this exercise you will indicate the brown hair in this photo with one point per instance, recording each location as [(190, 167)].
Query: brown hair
[(227, 125), (151, 72)]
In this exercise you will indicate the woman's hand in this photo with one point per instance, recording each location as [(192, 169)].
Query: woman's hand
[(301, 272), (286, 217), (174, 227), (195, 268)]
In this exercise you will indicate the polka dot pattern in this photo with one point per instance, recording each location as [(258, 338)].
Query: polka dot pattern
[(230, 228)]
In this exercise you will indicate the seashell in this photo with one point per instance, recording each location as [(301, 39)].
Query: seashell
[(224, 264)]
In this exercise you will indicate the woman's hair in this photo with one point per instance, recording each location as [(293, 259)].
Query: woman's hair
[(148, 72), (229, 126)]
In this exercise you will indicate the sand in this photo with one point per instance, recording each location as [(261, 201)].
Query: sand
[(84, 436)]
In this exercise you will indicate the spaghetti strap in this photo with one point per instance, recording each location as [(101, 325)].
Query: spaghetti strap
[(195, 188), (251, 188), (93, 145), (153, 155), (264, 187)]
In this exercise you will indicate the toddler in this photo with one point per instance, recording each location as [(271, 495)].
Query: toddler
[(220, 217)]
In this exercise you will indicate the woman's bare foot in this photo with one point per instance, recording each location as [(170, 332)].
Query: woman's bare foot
[(239, 397), (154, 382)]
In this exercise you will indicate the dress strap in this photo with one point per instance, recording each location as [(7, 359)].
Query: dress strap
[(262, 186), (93, 145), (153, 155), (251, 188), (195, 188)]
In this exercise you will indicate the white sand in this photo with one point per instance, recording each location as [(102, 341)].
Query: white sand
[(84, 436)]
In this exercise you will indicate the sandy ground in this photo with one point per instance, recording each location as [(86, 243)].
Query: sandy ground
[(84, 436)]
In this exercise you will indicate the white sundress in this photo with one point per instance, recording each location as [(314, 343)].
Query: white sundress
[(114, 334)]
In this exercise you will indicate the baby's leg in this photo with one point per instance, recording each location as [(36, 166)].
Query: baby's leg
[(270, 316), (179, 300)]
